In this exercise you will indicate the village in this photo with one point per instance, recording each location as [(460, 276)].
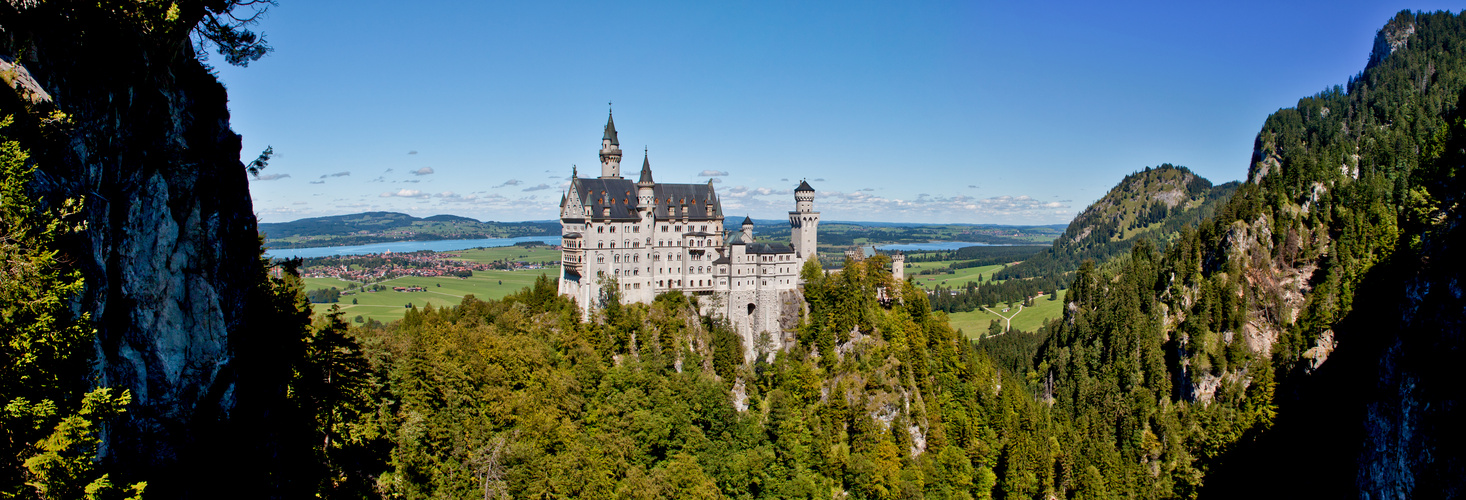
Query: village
[(372, 268)]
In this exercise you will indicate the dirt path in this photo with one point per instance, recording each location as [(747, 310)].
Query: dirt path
[(1007, 320)]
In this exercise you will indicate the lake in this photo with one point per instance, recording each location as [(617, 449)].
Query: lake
[(934, 245), (405, 246)]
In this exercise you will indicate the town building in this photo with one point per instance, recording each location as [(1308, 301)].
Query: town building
[(649, 238)]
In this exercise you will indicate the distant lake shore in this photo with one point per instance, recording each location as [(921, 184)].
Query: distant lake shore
[(931, 246), (405, 246)]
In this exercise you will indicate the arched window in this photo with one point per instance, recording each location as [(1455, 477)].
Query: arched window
[(600, 259), (601, 229), (613, 229), (636, 258), (600, 244), (616, 258)]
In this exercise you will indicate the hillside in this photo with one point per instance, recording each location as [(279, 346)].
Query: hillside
[(379, 227), (1155, 204)]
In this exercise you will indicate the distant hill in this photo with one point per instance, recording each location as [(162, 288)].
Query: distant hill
[(381, 227), (1155, 203)]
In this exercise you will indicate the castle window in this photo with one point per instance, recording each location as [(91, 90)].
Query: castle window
[(636, 272), (664, 229), (613, 244), (659, 283), (636, 258), (704, 228), (617, 272), (636, 229), (600, 259), (600, 244), (601, 229), (613, 229), (616, 258)]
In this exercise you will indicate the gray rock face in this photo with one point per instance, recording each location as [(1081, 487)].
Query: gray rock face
[(171, 253)]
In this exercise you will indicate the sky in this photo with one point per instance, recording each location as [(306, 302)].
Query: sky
[(945, 112)]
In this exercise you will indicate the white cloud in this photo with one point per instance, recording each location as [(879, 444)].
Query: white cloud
[(405, 193), (510, 182), (271, 177), (712, 173), (318, 182), (341, 174), (540, 187), (423, 171)]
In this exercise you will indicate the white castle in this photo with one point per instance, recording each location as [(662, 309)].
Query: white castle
[(650, 238)]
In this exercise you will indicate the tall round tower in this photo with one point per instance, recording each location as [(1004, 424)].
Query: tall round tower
[(804, 223), (610, 151)]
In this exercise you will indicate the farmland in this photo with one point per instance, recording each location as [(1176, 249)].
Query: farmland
[(388, 305)]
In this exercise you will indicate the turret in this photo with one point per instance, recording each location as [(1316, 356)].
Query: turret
[(747, 229), (644, 191), (804, 223), (610, 151), (804, 198)]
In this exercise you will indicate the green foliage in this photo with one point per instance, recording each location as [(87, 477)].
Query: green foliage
[(50, 421)]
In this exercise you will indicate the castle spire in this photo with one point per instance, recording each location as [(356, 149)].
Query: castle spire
[(646, 171), (610, 134), (610, 150)]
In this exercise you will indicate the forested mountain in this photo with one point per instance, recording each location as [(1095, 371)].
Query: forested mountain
[(1300, 341), (378, 227), (1155, 204)]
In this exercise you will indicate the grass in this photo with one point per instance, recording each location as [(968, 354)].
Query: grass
[(975, 323), (340, 284), (513, 253), (387, 306), (954, 280)]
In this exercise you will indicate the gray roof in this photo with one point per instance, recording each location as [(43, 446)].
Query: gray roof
[(695, 196), (803, 185), (768, 248), (619, 195), (747, 221), (610, 134)]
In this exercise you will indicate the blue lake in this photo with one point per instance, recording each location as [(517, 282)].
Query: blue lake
[(934, 245), (405, 246)]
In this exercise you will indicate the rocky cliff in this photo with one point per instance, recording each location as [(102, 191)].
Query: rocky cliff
[(121, 113)]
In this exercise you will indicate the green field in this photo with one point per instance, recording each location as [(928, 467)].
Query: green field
[(386, 306), (340, 284), (541, 254), (974, 323), (954, 280)]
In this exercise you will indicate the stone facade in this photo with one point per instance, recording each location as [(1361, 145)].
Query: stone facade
[(649, 238)]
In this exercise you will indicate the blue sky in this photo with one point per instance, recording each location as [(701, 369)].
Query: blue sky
[(973, 112)]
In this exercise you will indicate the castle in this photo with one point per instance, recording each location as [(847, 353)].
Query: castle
[(649, 238)]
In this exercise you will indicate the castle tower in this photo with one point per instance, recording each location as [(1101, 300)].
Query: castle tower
[(804, 223), (747, 230), (644, 186), (610, 151), (898, 266)]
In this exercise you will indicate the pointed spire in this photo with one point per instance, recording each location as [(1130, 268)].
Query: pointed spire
[(803, 186), (747, 221), (610, 134), (646, 171)]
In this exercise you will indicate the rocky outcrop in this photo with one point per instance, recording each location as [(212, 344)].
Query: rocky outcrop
[(171, 253)]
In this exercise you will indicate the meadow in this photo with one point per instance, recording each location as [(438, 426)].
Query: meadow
[(975, 323), (533, 255), (389, 305), (950, 279)]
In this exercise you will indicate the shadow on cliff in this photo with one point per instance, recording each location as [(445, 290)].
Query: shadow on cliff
[(1382, 418)]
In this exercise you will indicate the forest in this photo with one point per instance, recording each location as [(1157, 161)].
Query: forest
[(1295, 332)]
